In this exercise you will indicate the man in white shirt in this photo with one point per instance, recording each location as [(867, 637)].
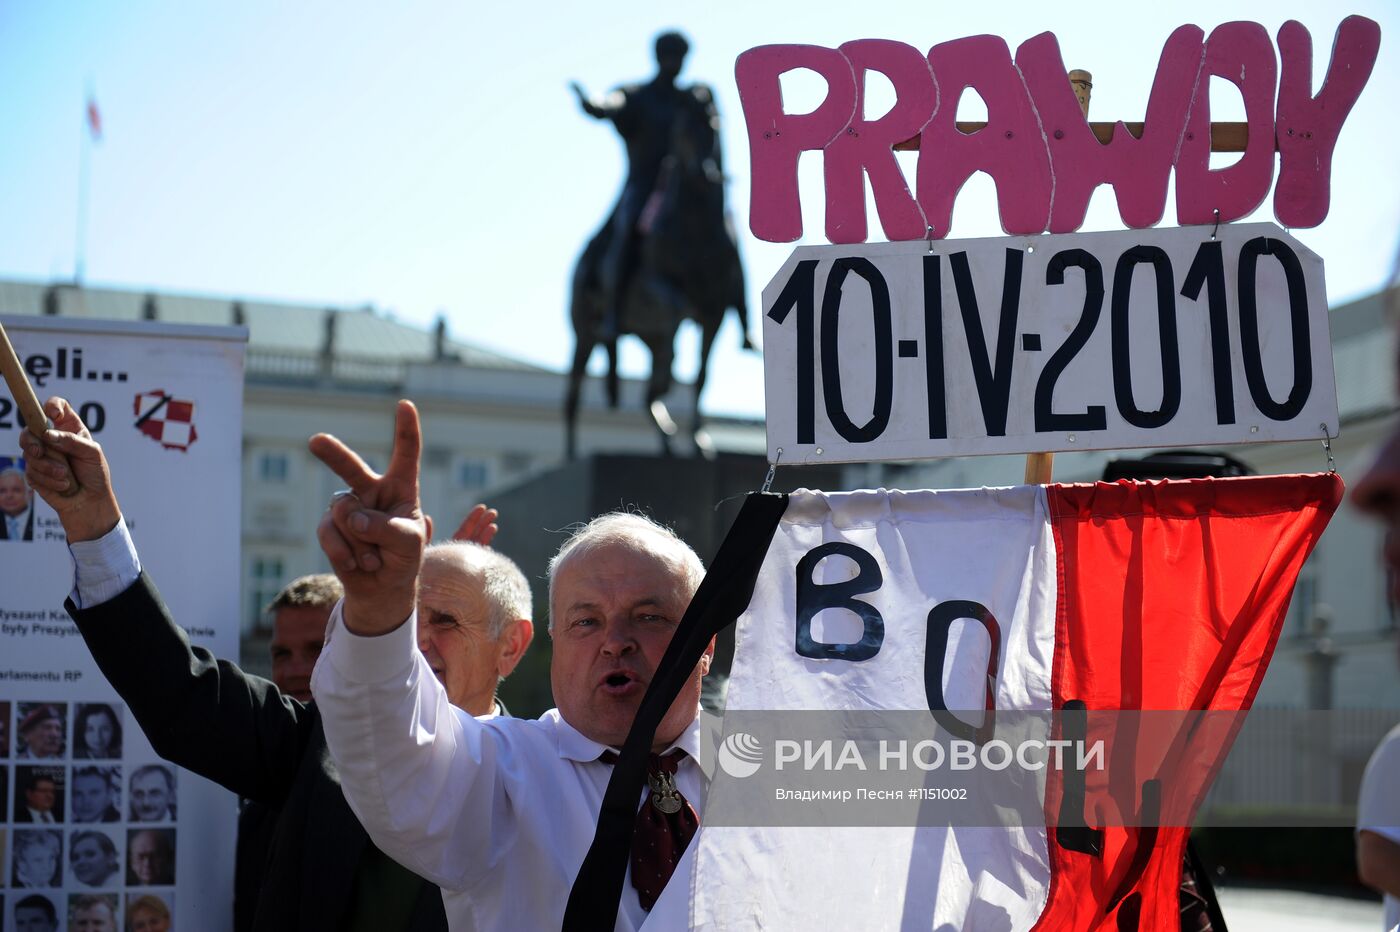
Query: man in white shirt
[(501, 812), (1378, 808), (1378, 825), (16, 506)]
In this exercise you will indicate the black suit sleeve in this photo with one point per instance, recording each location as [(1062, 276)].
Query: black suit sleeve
[(202, 713)]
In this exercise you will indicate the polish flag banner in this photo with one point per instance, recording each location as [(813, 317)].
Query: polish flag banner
[(94, 120), (1164, 595)]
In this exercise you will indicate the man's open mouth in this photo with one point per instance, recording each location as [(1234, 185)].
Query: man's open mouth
[(620, 683)]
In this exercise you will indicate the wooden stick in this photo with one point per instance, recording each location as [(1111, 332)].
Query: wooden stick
[(20, 389), (1224, 137), (1040, 468)]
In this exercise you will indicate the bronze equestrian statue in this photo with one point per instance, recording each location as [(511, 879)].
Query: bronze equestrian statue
[(668, 251)]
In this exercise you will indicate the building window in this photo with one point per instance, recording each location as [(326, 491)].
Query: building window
[(273, 466), (515, 465), (473, 474), (265, 577)]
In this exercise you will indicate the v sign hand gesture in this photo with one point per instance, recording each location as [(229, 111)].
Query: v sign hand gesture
[(375, 533)]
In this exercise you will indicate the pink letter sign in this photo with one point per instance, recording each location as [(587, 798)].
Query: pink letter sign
[(1011, 147), (1307, 125), (777, 138), (1138, 169), (1037, 145), (1242, 54), (868, 147)]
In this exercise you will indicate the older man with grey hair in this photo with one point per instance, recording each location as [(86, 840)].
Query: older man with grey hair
[(500, 812), (473, 621), (16, 506)]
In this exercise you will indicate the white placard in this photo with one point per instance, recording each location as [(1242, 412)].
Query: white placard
[(165, 401), (1082, 341)]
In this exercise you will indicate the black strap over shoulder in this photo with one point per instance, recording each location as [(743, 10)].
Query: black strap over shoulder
[(721, 598)]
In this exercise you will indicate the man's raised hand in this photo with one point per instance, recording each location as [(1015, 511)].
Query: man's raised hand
[(374, 535), (68, 470), (479, 526)]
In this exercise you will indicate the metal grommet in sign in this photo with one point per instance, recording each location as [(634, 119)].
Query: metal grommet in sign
[(772, 471), (1217, 224)]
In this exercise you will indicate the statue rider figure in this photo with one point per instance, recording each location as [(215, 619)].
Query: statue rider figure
[(644, 115)]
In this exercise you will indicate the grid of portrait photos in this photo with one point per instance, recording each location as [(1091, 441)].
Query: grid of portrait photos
[(87, 836)]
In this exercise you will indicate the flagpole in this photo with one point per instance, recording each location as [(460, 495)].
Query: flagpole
[(84, 167)]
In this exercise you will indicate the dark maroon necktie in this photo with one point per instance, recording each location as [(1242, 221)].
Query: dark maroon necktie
[(665, 824)]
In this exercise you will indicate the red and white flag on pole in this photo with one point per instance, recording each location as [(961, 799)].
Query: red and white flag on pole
[(1125, 596), (94, 119)]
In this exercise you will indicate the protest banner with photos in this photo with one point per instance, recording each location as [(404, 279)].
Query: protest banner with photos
[(92, 810)]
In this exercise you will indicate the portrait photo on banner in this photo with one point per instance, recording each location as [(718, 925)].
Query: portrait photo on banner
[(41, 730), (16, 501)]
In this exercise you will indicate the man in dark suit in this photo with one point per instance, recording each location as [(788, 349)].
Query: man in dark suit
[(38, 798), (304, 862), (16, 506)]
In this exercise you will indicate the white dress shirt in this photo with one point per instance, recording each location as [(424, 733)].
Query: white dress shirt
[(103, 568), (1378, 805), (497, 812)]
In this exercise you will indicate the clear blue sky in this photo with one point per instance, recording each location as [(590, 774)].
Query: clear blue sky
[(428, 156)]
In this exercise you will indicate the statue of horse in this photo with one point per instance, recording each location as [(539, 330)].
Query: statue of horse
[(687, 267)]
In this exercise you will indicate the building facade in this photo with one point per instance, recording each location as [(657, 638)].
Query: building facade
[(489, 421)]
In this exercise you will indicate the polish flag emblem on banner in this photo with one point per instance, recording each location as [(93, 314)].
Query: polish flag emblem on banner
[(166, 420), (1125, 596)]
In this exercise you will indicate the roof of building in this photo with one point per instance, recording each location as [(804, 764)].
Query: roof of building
[(272, 326), (1363, 354)]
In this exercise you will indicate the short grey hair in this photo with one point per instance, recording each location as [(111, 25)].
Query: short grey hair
[(625, 527), (12, 471), (506, 590)]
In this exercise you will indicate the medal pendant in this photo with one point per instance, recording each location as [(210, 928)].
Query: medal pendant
[(663, 793)]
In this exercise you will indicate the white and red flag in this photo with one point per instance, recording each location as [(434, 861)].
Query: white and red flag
[(167, 420), (1126, 596), (94, 119)]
